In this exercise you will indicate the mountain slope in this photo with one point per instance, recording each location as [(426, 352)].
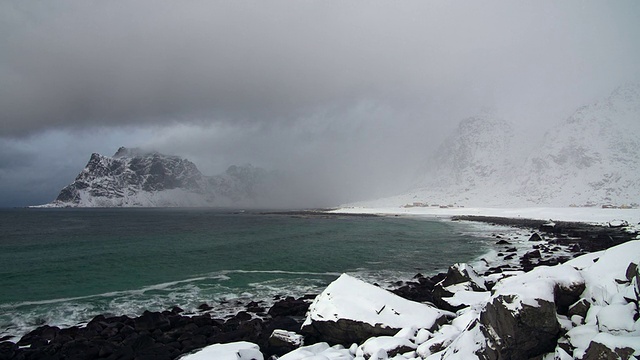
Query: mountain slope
[(591, 158), (149, 179)]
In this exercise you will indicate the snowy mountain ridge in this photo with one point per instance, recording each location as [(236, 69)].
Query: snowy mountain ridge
[(135, 178), (590, 159)]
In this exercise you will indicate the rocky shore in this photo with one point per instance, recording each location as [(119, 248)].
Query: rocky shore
[(509, 331)]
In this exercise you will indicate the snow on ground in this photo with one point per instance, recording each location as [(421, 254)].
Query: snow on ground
[(578, 214), (241, 350)]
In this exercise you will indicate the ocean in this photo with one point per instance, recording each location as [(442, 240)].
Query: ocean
[(64, 266)]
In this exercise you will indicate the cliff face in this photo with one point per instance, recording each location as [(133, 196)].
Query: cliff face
[(136, 178)]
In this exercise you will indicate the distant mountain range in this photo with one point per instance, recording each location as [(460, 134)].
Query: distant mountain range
[(590, 159), (135, 178)]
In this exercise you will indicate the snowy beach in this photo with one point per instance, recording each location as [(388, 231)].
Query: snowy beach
[(593, 215)]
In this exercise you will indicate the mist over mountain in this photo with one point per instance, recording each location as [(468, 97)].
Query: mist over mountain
[(591, 158), (137, 178)]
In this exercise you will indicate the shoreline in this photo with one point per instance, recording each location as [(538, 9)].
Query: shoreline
[(556, 245)]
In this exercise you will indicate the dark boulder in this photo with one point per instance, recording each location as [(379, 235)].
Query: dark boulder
[(151, 321), (598, 351), (7, 350), (290, 307), (344, 331), (534, 254), (535, 237), (528, 332), (463, 273), (281, 342)]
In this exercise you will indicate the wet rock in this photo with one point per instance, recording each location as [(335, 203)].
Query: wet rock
[(289, 307), (535, 254), (255, 307), (535, 237), (420, 290), (7, 350), (151, 320)]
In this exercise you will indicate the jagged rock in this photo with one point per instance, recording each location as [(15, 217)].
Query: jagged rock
[(290, 307), (598, 351), (566, 296), (460, 277), (534, 254), (420, 290), (463, 273), (133, 177), (632, 272), (527, 332), (535, 237), (580, 308)]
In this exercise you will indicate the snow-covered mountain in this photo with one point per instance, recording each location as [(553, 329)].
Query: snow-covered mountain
[(133, 177), (474, 160), (591, 158)]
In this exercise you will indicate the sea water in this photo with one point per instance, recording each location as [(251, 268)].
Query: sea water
[(64, 266)]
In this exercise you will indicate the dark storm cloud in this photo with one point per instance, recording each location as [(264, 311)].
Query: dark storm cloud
[(346, 97), (80, 63)]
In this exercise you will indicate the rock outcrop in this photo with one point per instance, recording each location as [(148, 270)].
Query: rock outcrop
[(351, 311), (133, 177)]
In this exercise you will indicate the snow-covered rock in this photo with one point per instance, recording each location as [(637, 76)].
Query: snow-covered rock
[(286, 340), (520, 320), (319, 351), (350, 310), (233, 351), (390, 345), (461, 287), (133, 177)]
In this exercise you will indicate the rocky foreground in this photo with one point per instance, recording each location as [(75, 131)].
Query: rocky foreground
[(572, 294)]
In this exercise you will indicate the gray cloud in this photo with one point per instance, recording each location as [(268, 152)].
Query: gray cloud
[(352, 91), (70, 63)]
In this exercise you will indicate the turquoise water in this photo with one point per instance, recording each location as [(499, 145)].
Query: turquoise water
[(64, 266)]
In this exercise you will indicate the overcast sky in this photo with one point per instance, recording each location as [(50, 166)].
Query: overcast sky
[(347, 97)]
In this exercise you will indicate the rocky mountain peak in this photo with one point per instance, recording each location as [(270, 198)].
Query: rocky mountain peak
[(133, 177)]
